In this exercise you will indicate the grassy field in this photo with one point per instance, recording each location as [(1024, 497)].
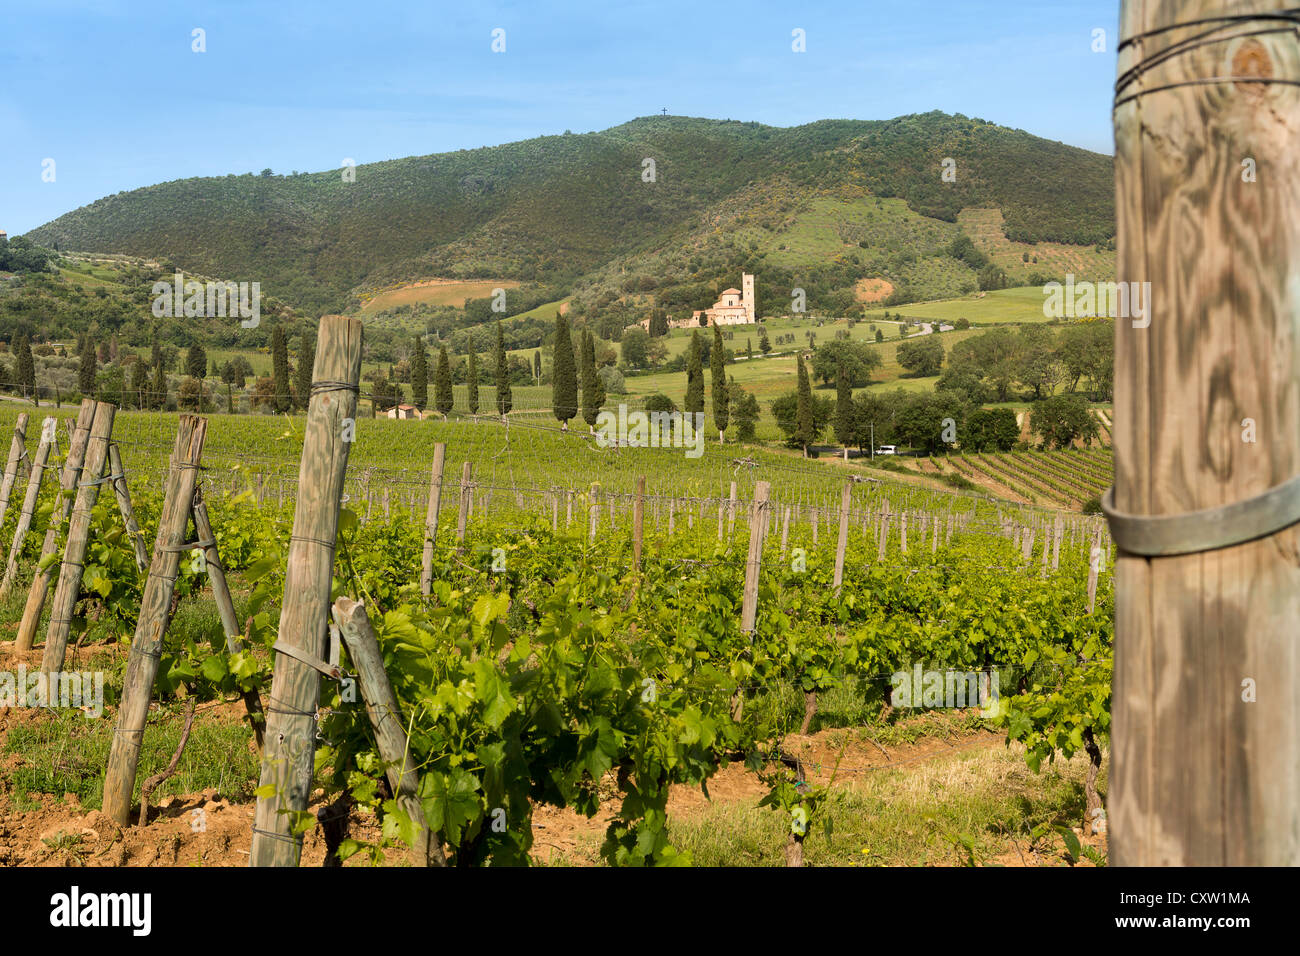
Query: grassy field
[(436, 292), (1001, 307)]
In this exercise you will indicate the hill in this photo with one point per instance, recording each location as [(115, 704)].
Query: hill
[(565, 212)]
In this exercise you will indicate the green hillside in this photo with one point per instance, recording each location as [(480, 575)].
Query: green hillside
[(569, 212)]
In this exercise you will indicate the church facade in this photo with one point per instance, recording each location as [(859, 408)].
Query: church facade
[(734, 307)]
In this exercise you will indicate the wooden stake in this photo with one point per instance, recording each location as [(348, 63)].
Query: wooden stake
[(431, 517), (386, 719), (123, 495), (287, 763), (29, 505), (731, 513), (67, 486), (155, 605), (462, 517), (846, 499), (17, 451), (74, 552), (1206, 747), (757, 515), (638, 521)]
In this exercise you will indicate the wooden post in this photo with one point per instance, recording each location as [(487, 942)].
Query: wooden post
[(883, 543), (731, 513), (462, 516), (934, 537), (74, 551), (785, 530), (593, 513), (386, 719), (638, 521), (1058, 532), (287, 762), (846, 499), (17, 451), (431, 517), (29, 504), (815, 522), (568, 509), (1206, 755), (67, 485), (757, 515), (225, 608), (155, 604), (123, 495), (902, 532), (1094, 567)]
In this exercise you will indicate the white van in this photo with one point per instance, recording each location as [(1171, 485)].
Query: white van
[(887, 450)]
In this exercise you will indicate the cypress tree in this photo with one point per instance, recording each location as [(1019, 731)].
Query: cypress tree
[(843, 409), (140, 382), (442, 396), (718, 375), (472, 380), (764, 345), (804, 429), (230, 400), (196, 362), (419, 375), (306, 367), (505, 401), (280, 366), (86, 369), (158, 389), (564, 377), (537, 366), (749, 349), (25, 369), (694, 377), (593, 390)]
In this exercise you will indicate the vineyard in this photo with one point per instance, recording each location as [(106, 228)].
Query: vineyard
[(521, 623)]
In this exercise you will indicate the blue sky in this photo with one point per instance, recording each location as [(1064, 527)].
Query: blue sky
[(112, 92)]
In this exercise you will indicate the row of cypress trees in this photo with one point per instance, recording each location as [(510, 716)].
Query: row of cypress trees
[(443, 399)]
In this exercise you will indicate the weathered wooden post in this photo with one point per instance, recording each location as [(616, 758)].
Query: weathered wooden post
[(431, 517), (757, 516), (118, 480), (17, 452), (287, 761), (74, 551), (386, 718), (29, 504), (71, 472), (841, 545), (1205, 752), (638, 521), (731, 513), (462, 517), (155, 604)]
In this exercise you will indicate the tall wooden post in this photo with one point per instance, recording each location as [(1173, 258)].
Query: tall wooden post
[(155, 603), (118, 475), (757, 517), (29, 505), (17, 451), (67, 487), (431, 517), (462, 517), (1206, 744), (638, 521), (731, 512), (74, 551), (841, 545), (287, 761)]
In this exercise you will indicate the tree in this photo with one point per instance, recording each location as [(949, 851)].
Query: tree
[(306, 367), (196, 362), (419, 374), (661, 404), (990, 429), (786, 412), (504, 398), (280, 370), (635, 348), (443, 400), (564, 376), (857, 359), (593, 390), (537, 367), (921, 357), (612, 379), (764, 345), (843, 410), (804, 428), (158, 390), (694, 377), (1036, 364), (191, 394), (86, 368), (658, 323), (230, 400), (717, 376), (744, 411), (139, 386), (880, 336), (471, 384), (25, 370), (749, 349), (1063, 419)]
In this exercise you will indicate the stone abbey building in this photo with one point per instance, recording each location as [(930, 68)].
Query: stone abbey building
[(734, 307)]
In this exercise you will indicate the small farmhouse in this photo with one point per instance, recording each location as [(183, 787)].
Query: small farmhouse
[(403, 411)]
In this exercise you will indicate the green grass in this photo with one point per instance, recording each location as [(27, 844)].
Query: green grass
[(1003, 306)]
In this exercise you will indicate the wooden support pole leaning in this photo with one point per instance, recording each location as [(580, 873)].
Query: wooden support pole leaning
[(17, 452), (71, 568), (431, 517), (41, 581), (841, 545), (123, 495), (1205, 769), (287, 762), (225, 608), (386, 719), (155, 603), (28, 511), (757, 517)]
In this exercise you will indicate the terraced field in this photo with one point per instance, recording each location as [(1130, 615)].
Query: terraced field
[(1066, 479)]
